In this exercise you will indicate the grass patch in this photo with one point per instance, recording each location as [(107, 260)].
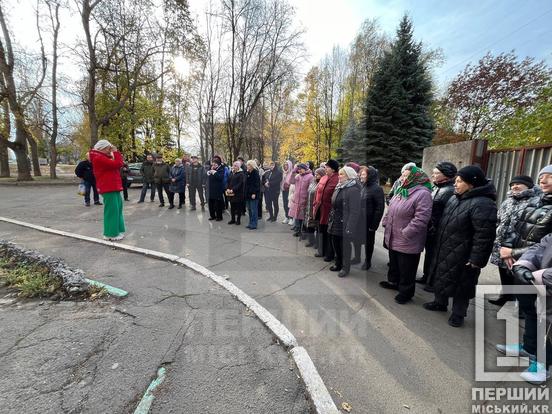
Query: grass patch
[(30, 281)]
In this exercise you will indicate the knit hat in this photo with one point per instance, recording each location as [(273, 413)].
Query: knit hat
[(522, 179), (473, 175), (546, 170), (101, 144), (349, 172), (354, 166), (302, 166), (320, 171), (447, 168), (333, 164)]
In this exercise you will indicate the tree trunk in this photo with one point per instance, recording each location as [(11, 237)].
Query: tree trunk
[(34, 156), (4, 159), (53, 160)]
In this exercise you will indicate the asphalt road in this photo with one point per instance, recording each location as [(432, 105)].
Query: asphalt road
[(372, 353)]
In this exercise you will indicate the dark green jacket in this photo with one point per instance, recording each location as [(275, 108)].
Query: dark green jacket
[(147, 171), (161, 173)]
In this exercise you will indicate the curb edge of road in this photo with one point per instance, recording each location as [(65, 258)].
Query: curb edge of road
[(315, 388)]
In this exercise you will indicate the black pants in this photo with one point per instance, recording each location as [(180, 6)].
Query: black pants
[(326, 244), (260, 206), (144, 191), (192, 194), (369, 247), (125, 188), (236, 208), (357, 245), (402, 271), (460, 303), (272, 206), (527, 305), (342, 248), (285, 199), (90, 186), (216, 207), (160, 188), (181, 198), (429, 250), (506, 279)]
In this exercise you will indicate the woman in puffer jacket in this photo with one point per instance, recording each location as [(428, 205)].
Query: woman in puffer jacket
[(522, 191), (464, 243)]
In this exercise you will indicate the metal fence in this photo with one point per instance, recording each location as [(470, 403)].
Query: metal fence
[(503, 165)]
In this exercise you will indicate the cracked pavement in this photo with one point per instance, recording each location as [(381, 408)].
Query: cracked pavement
[(371, 352), (100, 356)]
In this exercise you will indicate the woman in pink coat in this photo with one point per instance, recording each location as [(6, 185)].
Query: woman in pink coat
[(405, 225), (301, 177)]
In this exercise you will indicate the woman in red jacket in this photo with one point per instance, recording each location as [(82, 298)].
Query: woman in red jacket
[(106, 164), (322, 206)]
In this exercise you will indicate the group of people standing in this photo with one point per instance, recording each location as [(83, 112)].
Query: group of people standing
[(336, 210)]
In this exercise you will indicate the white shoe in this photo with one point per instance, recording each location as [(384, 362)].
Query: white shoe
[(536, 373), (285, 220), (116, 238), (291, 222)]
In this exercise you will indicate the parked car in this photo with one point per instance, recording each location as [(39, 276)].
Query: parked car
[(135, 176)]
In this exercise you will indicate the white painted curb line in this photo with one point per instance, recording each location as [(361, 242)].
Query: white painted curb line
[(316, 390)]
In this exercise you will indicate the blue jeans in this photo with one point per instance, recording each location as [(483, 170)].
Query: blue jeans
[(252, 206), (144, 191), (87, 187)]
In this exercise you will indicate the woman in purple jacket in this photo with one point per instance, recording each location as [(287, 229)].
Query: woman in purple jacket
[(405, 225)]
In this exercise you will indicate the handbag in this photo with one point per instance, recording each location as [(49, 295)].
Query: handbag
[(82, 189)]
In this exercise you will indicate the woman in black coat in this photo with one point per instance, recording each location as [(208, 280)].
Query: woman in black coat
[(344, 215), (252, 193), (235, 192), (216, 190), (372, 205), (464, 242), (272, 180)]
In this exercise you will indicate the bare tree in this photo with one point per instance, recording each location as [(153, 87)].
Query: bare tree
[(53, 10)]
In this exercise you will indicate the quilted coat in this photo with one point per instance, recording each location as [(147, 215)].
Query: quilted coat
[(298, 205), (345, 212), (406, 221), (107, 171), (323, 198), (534, 223), (372, 205), (465, 235)]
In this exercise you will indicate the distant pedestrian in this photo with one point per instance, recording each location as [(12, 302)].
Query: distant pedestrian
[(272, 184), (323, 206), (162, 179), (107, 163), (215, 178), (177, 184), (288, 169), (147, 179), (235, 191), (302, 178), (252, 192), (311, 224), (85, 173), (195, 180)]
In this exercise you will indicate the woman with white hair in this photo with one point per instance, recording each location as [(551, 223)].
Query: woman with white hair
[(344, 218), (106, 165)]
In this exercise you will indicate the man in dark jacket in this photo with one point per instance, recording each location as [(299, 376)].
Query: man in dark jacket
[(125, 171), (443, 189), (463, 243), (161, 178), (85, 173), (272, 179), (147, 174), (534, 268), (196, 177), (215, 178)]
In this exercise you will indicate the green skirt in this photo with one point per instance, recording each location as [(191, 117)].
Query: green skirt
[(114, 223)]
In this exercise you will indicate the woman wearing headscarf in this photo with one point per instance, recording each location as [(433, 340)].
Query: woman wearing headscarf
[(177, 184), (405, 233), (343, 221), (235, 192), (323, 206), (443, 189), (372, 205), (288, 169), (106, 166), (302, 179), (311, 224), (464, 243)]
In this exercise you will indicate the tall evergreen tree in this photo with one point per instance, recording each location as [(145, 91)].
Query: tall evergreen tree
[(397, 124), (347, 149)]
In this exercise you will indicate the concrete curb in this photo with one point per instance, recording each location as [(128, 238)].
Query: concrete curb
[(316, 390)]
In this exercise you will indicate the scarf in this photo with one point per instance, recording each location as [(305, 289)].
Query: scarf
[(416, 177)]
